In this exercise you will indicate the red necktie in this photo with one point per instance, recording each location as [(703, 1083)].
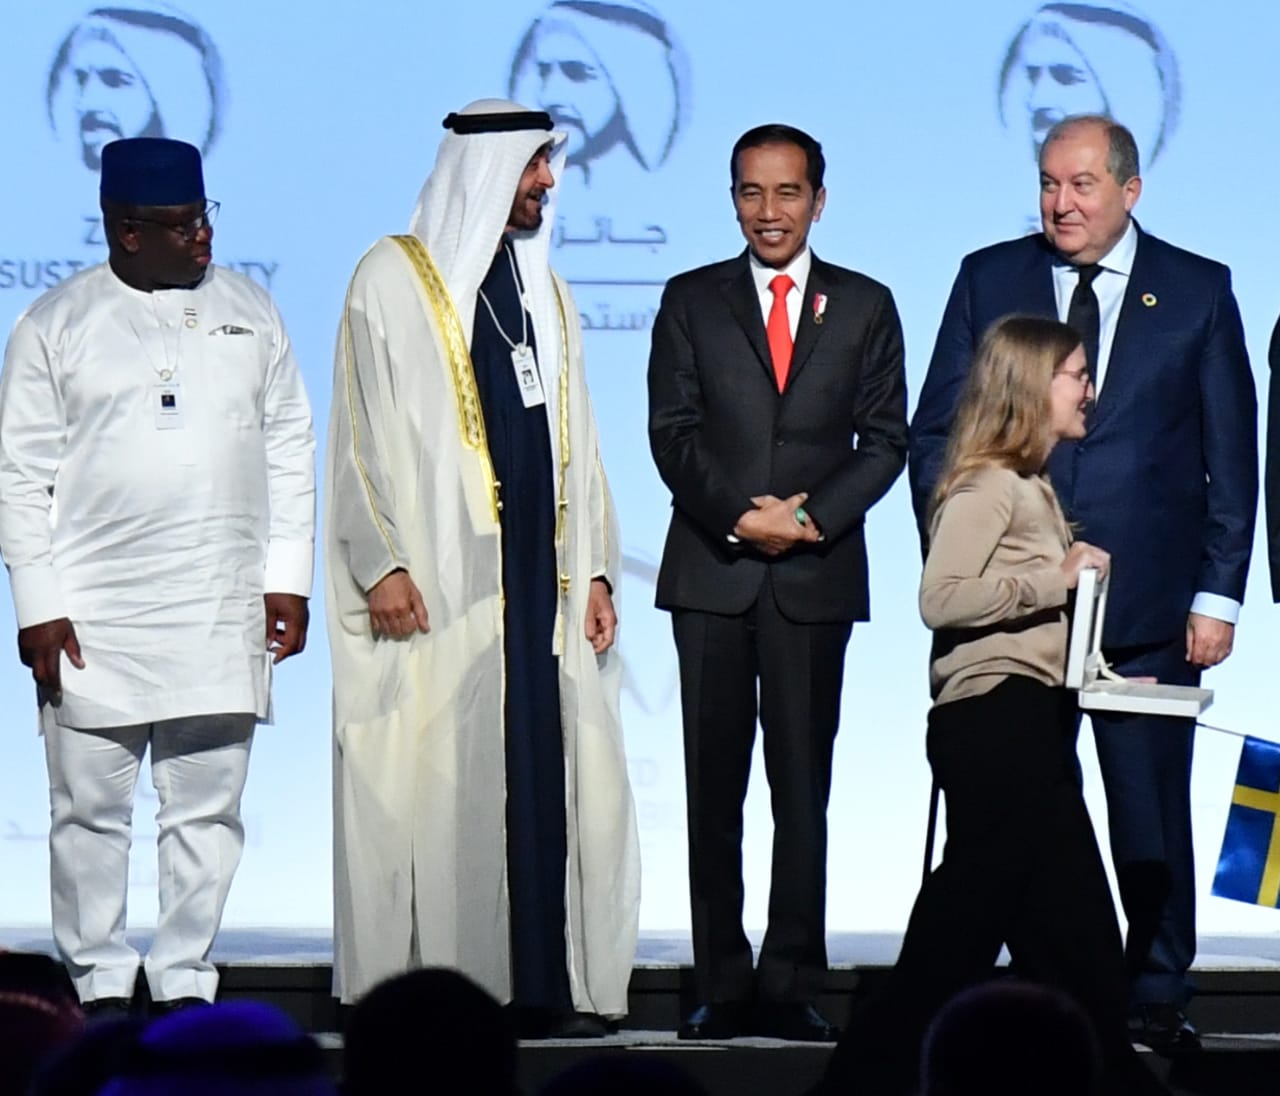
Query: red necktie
[(779, 329)]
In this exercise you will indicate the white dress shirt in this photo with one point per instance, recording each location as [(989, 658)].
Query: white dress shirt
[(157, 536), (798, 271), (1110, 286)]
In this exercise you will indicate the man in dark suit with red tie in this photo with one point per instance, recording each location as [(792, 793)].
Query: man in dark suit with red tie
[(777, 418), (1166, 480)]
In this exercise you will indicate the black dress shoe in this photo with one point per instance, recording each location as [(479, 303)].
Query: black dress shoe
[(579, 1025), (718, 1020), (106, 1008), (1164, 1028), (796, 1022), (534, 1022), (176, 1004)]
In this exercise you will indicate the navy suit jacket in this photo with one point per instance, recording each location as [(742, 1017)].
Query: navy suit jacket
[(1271, 487), (1166, 477), (721, 433)]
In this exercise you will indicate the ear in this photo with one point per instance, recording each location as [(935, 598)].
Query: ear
[(819, 203), (1132, 192), (126, 235)]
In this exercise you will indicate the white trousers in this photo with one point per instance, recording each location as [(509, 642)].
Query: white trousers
[(198, 767)]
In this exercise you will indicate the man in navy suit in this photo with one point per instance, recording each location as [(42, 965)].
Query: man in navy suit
[(1165, 479), (777, 417)]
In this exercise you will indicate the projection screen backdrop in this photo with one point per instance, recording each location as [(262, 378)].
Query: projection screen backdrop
[(319, 123)]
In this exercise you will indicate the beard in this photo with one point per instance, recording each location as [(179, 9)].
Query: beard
[(524, 216)]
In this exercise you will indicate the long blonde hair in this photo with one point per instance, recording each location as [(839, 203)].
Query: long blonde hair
[(1003, 415)]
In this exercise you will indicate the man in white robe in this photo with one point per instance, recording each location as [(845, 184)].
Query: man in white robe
[(157, 498), (418, 611)]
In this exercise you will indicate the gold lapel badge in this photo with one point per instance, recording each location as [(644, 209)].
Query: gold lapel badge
[(1149, 299)]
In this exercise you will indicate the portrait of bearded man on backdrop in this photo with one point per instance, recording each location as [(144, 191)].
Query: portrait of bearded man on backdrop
[(135, 71)]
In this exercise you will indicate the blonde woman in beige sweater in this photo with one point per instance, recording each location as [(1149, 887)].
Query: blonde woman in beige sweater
[(1021, 865)]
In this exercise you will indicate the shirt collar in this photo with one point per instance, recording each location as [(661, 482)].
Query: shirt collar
[(798, 269), (1119, 259)]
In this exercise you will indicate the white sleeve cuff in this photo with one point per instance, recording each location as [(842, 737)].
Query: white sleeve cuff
[(37, 597), (289, 564), (1216, 606)]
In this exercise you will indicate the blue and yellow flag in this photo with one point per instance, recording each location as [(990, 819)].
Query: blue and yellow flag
[(1249, 864)]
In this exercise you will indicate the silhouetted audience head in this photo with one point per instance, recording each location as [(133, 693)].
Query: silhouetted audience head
[(1011, 1038), (434, 1016), (240, 1048), (623, 1075), (93, 1059), (39, 1014)]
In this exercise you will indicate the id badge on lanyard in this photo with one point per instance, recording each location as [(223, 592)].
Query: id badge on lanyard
[(526, 369), (166, 401)]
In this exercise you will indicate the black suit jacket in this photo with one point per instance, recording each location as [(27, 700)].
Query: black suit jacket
[(720, 433)]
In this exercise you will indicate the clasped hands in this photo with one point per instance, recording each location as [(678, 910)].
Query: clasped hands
[(774, 526)]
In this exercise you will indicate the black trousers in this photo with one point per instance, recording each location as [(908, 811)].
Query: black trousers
[(733, 669), (1021, 867), (1146, 771)]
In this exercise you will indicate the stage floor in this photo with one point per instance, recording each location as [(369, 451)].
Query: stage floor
[(311, 947), (1237, 1008)]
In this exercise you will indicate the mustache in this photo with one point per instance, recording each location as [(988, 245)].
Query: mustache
[(1045, 118), (560, 117), (94, 120)]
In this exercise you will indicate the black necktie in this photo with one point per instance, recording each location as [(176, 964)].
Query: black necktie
[(1082, 314)]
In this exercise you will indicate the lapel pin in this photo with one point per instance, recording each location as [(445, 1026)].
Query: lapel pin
[(819, 306), (1149, 299)]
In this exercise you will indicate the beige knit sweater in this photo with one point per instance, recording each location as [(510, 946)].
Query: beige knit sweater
[(993, 591)]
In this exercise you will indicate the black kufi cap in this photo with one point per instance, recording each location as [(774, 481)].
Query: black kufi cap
[(152, 171)]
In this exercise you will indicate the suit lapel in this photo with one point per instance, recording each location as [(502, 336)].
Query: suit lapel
[(808, 330), (740, 293), (1036, 293), (1131, 335)]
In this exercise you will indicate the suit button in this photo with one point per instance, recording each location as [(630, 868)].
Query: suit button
[(779, 442)]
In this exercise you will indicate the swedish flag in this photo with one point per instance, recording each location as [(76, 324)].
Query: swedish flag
[(1249, 864)]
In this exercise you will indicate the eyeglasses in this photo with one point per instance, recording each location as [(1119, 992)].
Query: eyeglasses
[(187, 229), (1082, 377)]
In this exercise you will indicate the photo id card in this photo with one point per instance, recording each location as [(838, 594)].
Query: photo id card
[(526, 367), (166, 398)]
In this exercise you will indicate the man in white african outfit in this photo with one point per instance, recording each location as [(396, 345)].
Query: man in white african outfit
[(157, 502), (483, 818)]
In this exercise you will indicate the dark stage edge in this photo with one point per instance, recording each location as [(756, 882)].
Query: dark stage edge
[(1237, 1007)]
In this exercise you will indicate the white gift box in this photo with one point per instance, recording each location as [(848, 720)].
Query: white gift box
[(1100, 689)]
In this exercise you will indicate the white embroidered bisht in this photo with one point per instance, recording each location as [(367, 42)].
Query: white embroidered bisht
[(419, 758)]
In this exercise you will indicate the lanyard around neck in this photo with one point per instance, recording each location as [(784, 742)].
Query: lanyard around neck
[(524, 312)]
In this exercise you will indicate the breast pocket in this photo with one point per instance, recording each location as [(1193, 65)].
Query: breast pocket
[(235, 371)]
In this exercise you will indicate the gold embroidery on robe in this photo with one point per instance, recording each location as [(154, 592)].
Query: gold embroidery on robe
[(470, 416)]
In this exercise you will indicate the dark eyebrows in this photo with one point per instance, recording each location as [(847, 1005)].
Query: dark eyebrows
[(1075, 180), (788, 189)]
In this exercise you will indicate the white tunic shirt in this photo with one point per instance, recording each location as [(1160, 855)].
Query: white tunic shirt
[(156, 476)]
